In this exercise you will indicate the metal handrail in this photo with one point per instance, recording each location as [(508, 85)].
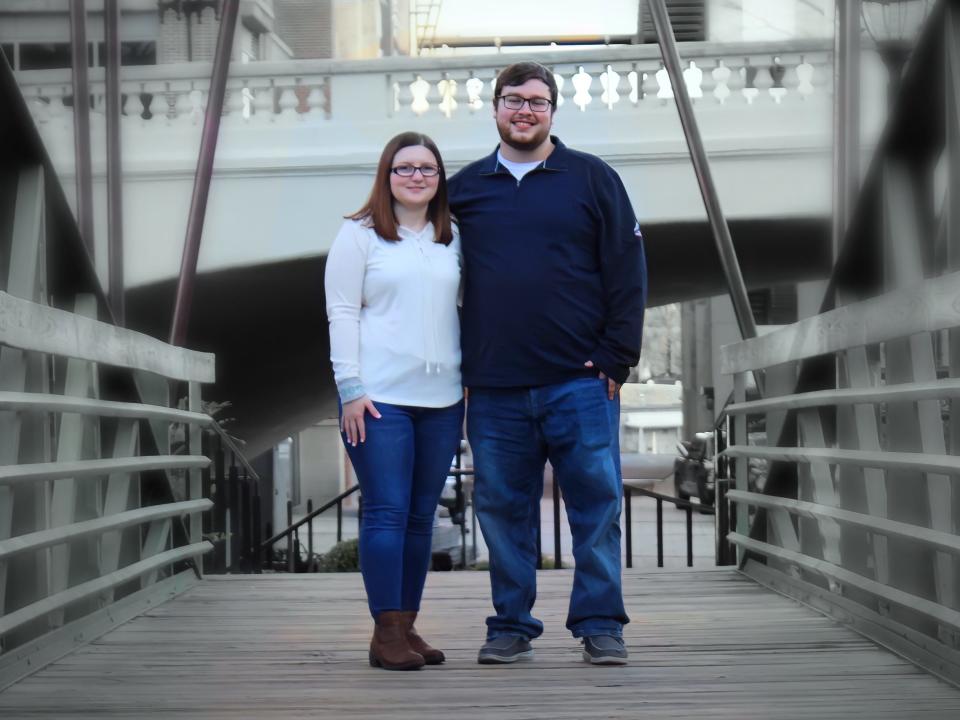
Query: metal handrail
[(686, 505), (309, 516)]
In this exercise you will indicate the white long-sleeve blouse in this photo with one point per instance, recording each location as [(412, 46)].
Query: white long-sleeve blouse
[(392, 307)]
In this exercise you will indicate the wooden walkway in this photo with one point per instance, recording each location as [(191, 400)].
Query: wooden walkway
[(703, 644)]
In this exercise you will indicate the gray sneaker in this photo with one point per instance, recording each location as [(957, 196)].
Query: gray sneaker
[(604, 650), (505, 649)]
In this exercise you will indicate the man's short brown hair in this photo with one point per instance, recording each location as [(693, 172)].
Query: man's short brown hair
[(519, 73)]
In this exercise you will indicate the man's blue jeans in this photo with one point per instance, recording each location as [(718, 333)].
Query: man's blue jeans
[(512, 433), (401, 469)]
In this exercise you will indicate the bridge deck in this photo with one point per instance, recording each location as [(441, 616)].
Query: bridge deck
[(704, 644)]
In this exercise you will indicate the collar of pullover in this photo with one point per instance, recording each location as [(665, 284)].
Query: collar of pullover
[(406, 232), (556, 161)]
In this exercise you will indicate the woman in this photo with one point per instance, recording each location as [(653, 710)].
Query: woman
[(392, 279)]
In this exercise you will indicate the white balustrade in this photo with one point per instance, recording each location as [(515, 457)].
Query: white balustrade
[(620, 79)]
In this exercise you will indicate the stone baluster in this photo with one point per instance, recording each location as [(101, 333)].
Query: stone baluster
[(721, 75), (447, 87), (561, 81), (263, 101), (56, 109), (170, 103), (180, 107), (326, 95), (301, 93), (419, 89), (610, 82), (474, 87), (316, 99), (394, 91), (649, 85), (197, 105), (665, 87), (693, 79), (707, 82), (805, 75), (246, 102), (39, 105), (633, 80), (778, 72), (287, 101), (763, 80), (582, 82), (748, 74), (233, 101), (132, 105)]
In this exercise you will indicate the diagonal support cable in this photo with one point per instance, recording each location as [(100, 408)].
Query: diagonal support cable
[(201, 180), (701, 165)]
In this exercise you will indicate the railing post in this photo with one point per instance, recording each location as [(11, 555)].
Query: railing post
[(722, 522), (659, 532), (309, 535), (290, 564), (257, 536), (689, 534), (742, 470), (627, 507), (223, 491), (233, 507), (245, 523), (339, 520)]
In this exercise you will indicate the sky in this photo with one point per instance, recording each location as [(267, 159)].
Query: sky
[(536, 17)]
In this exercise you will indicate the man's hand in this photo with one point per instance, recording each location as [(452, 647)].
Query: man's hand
[(613, 387), (352, 421)]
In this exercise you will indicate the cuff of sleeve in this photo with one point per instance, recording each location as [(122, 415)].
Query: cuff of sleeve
[(350, 389), (602, 361)]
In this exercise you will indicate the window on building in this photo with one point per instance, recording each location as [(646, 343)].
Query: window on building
[(44, 56), (688, 17), (775, 305), (138, 53), (131, 53)]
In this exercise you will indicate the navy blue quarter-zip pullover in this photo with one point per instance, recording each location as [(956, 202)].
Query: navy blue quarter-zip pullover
[(554, 271)]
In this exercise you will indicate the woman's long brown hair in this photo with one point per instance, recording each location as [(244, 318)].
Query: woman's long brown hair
[(378, 210)]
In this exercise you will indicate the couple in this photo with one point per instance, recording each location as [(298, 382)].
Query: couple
[(553, 294)]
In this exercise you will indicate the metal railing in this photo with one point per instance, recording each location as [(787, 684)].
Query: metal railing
[(292, 562), (292, 535), (870, 533), (100, 499)]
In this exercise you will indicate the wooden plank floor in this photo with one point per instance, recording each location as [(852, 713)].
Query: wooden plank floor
[(703, 644)]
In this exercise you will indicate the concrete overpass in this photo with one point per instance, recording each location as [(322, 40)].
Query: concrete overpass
[(298, 147)]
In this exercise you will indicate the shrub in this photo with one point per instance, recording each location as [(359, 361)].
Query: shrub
[(342, 557)]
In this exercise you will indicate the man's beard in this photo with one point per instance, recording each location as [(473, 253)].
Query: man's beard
[(540, 136)]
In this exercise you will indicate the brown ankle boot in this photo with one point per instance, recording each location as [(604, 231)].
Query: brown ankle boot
[(431, 656), (389, 647)]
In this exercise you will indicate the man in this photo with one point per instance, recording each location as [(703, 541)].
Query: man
[(554, 294)]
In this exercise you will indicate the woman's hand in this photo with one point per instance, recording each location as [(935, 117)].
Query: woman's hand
[(352, 421)]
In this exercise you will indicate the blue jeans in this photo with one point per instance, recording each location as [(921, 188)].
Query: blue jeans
[(401, 469), (512, 433)]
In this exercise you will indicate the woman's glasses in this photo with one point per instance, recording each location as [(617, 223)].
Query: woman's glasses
[(405, 170)]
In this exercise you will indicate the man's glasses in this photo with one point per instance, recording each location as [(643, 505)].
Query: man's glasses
[(515, 102), (410, 170)]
